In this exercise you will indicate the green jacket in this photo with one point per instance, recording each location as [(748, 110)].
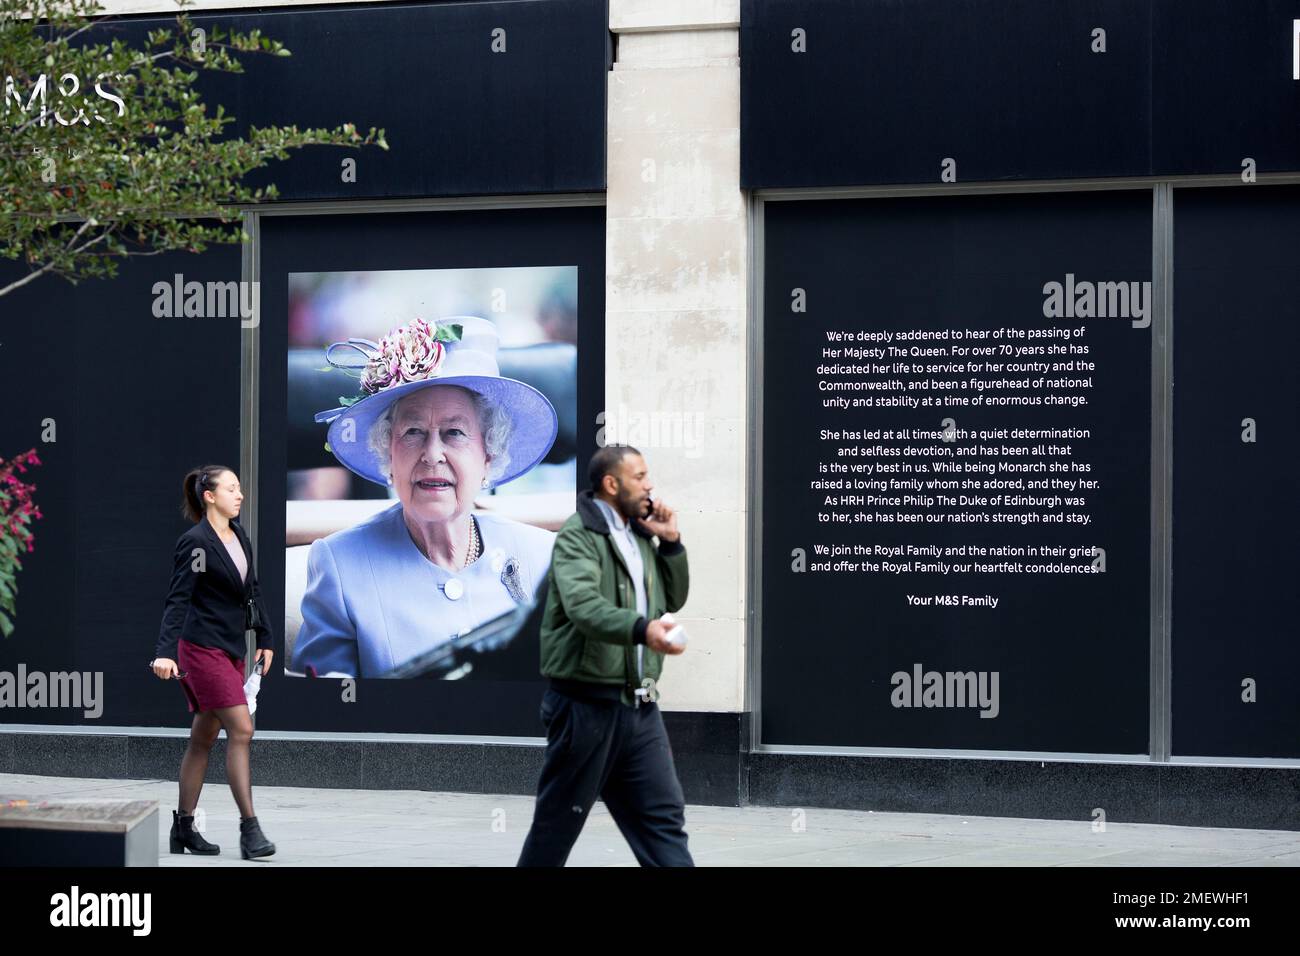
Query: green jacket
[(591, 628)]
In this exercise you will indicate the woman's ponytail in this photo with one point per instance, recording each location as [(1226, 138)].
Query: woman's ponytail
[(197, 481)]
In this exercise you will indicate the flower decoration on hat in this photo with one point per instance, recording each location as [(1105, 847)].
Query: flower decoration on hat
[(409, 353)]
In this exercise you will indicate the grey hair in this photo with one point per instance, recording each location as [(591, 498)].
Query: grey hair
[(493, 419)]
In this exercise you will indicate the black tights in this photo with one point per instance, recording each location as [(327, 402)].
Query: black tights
[(194, 765)]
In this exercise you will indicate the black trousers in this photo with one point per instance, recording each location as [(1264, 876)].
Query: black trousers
[(621, 754)]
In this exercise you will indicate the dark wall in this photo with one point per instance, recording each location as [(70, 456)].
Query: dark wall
[(137, 401), (460, 119), (1012, 90), (1236, 315)]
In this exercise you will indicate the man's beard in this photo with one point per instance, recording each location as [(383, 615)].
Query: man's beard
[(629, 505)]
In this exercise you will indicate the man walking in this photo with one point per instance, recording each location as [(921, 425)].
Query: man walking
[(603, 641)]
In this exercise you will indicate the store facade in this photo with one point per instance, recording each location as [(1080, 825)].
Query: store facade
[(959, 334)]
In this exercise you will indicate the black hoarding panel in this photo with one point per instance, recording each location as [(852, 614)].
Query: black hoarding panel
[(1235, 525), (1224, 86), (476, 98), (887, 90), (838, 93), (941, 456), (133, 394)]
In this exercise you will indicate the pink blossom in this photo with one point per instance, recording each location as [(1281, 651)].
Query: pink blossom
[(410, 354)]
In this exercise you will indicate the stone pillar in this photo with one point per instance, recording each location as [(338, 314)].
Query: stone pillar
[(676, 288)]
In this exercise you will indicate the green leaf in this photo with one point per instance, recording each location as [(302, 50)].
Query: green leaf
[(161, 158)]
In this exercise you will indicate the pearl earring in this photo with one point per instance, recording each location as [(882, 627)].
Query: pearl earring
[(485, 482), (390, 478)]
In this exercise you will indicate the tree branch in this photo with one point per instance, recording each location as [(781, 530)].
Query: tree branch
[(67, 249)]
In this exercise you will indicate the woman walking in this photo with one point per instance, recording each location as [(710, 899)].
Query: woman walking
[(214, 599)]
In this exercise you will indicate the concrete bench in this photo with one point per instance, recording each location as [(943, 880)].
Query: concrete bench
[(54, 832)]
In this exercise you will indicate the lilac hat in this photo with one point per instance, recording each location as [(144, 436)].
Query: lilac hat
[(459, 350)]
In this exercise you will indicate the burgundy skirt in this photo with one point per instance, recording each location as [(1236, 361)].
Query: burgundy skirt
[(213, 678)]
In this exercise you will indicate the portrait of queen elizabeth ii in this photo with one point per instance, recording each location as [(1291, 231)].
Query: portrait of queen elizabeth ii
[(436, 423)]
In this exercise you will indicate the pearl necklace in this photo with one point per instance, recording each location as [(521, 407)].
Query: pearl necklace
[(475, 544)]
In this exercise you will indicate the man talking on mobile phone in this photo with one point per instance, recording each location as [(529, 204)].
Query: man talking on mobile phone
[(603, 642)]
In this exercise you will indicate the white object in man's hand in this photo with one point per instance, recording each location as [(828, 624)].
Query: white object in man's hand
[(676, 633), (656, 637)]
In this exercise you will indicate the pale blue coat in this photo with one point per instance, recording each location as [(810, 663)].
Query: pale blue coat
[(373, 600)]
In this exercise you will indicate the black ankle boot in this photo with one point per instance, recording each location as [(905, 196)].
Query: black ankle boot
[(185, 837), (252, 841)]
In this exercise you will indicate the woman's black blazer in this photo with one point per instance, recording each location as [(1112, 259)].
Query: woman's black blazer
[(208, 604)]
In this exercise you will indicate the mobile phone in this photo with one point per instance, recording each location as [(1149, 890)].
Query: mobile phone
[(649, 505)]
